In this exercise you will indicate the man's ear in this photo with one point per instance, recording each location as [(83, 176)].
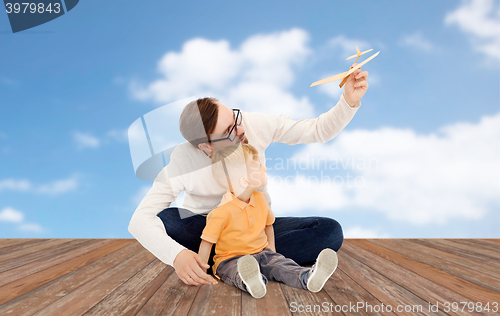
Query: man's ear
[(244, 182), (205, 147)]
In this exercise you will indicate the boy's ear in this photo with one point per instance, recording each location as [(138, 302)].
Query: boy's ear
[(244, 182)]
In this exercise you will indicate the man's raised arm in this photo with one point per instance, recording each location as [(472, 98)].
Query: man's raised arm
[(283, 129)]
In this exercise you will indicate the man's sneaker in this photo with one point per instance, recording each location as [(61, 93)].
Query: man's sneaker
[(325, 265), (249, 271)]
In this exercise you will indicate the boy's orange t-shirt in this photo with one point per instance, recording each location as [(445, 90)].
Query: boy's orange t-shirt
[(237, 228)]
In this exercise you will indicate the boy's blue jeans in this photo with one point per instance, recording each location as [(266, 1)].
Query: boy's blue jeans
[(298, 238)]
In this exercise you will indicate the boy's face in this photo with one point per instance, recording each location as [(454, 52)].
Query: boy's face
[(257, 176)]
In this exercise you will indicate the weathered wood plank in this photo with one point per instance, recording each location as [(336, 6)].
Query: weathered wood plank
[(45, 295), (33, 281), (304, 302), (16, 244), (480, 267), (468, 253), (433, 258), (219, 299), (4, 241), (417, 278), (492, 240), (186, 301), (129, 298), (491, 251), (17, 269), (273, 303), (21, 254), (486, 242), (54, 277), (375, 275), (91, 293), (166, 299), (346, 293)]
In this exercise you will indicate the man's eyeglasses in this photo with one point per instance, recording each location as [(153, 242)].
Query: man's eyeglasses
[(234, 130)]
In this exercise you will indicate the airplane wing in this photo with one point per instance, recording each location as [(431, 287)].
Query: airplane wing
[(329, 79), (344, 74), (359, 65), (366, 51)]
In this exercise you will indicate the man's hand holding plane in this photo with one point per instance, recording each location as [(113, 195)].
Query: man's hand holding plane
[(355, 85)]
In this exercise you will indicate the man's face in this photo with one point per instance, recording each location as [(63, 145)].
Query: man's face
[(225, 123), (257, 176)]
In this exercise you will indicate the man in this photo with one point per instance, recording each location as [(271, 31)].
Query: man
[(173, 234)]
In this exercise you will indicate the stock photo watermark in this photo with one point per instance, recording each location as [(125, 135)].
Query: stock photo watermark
[(365, 307), (27, 14), (310, 163), (345, 172)]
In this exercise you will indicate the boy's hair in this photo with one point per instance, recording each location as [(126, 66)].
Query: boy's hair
[(229, 163)]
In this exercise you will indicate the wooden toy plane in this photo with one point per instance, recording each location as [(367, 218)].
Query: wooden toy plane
[(346, 74)]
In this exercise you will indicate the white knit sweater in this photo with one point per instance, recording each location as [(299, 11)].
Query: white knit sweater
[(189, 172)]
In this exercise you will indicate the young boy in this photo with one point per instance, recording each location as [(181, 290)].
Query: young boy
[(241, 227)]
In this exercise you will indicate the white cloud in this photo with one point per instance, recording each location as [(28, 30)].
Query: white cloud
[(8, 81), (409, 177), (481, 20), (119, 135), (53, 188), (347, 45), (418, 41), (333, 89), (256, 76), (141, 193), (360, 232), (58, 187), (84, 140), (15, 185), (11, 215), (312, 192), (31, 227), (14, 216)]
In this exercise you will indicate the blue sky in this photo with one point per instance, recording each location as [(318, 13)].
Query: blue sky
[(70, 88)]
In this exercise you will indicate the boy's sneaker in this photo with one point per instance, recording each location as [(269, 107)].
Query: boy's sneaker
[(249, 271), (325, 265)]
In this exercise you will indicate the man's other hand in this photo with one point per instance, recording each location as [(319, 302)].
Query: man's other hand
[(188, 265)]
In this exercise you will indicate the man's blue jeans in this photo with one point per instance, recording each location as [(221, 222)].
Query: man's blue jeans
[(298, 238)]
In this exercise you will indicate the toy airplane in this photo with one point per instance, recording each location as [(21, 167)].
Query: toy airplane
[(346, 74)]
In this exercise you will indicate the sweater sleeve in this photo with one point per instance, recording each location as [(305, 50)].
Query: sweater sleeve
[(318, 130), (148, 228)]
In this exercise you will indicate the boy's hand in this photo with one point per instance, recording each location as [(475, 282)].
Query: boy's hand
[(355, 86), (188, 266)]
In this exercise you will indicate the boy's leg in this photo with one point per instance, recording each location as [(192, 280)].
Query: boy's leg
[(302, 238), (323, 268), (278, 268), (228, 272), (185, 227), (249, 272)]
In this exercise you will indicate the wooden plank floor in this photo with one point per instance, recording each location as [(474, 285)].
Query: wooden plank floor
[(374, 277)]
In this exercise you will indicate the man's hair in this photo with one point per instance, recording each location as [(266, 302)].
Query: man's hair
[(198, 120), (229, 163)]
